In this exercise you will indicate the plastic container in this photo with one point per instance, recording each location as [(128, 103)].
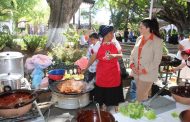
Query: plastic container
[(56, 74)]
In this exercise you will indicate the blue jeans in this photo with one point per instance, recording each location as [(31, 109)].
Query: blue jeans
[(132, 92)]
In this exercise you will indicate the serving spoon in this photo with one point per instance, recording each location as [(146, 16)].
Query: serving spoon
[(98, 108)]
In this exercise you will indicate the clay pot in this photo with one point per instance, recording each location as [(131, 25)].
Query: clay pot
[(181, 94), (92, 116), (16, 102)]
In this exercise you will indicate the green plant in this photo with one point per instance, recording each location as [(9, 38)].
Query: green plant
[(33, 42), (10, 41), (165, 49), (66, 55), (43, 42), (6, 40), (72, 36), (2, 40)]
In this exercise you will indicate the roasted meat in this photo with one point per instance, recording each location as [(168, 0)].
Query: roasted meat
[(71, 86)]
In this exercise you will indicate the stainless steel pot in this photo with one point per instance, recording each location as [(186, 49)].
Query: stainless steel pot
[(11, 62), (70, 101), (10, 81)]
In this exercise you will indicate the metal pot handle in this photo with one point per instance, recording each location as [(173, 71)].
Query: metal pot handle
[(7, 89)]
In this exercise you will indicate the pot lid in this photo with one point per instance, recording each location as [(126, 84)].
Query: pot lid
[(10, 55), (10, 76)]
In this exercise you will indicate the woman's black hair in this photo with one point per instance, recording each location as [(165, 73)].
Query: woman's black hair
[(184, 53), (153, 25), (94, 35)]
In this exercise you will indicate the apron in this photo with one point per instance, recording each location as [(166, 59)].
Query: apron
[(108, 71)]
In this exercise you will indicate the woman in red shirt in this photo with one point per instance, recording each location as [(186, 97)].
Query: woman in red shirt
[(108, 86)]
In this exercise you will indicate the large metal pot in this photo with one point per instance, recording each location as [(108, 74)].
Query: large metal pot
[(70, 101), (10, 81), (11, 62), (16, 103)]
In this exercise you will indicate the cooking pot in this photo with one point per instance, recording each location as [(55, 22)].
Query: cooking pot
[(10, 81), (181, 94), (185, 116), (11, 62), (92, 116), (16, 102), (70, 101)]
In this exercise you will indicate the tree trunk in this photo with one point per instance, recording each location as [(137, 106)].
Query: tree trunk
[(90, 18), (127, 13), (61, 12)]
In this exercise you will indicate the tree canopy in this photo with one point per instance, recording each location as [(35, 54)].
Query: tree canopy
[(175, 12), (27, 9), (6, 9), (127, 13)]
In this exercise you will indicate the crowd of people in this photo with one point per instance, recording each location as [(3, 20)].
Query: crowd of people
[(104, 68), (121, 36)]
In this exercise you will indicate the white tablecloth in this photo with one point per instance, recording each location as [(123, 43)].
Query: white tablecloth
[(164, 117)]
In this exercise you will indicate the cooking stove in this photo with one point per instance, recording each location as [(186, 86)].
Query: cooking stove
[(34, 115)]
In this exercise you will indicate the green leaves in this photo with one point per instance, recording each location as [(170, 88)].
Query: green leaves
[(175, 114), (66, 55), (137, 110), (72, 36), (150, 115), (33, 42), (6, 40), (6, 9)]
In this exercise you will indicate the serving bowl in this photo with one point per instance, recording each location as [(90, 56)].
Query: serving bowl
[(92, 116), (181, 94)]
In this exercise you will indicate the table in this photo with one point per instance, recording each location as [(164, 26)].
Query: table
[(167, 64), (163, 117)]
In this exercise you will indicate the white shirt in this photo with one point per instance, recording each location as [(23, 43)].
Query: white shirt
[(92, 68), (186, 44), (188, 62), (82, 40), (97, 46)]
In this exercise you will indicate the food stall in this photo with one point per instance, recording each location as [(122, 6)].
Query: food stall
[(70, 100)]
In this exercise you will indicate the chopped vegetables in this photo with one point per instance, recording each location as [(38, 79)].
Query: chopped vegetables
[(137, 110), (150, 115)]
